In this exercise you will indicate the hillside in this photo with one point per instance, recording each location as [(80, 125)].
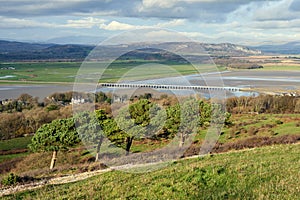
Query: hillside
[(19, 51), (262, 173)]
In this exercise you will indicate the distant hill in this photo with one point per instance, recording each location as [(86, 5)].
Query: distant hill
[(21, 51), (288, 48), (11, 47), (83, 40)]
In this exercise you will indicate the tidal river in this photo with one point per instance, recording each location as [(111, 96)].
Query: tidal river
[(242, 79)]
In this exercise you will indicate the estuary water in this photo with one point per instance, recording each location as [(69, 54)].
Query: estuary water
[(242, 79)]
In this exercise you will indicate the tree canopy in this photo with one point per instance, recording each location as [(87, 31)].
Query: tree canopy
[(57, 135)]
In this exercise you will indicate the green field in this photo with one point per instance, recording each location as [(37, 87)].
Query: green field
[(16, 143), (12, 156), (281, 67), (66, 72), (262, 173), (46, 72)]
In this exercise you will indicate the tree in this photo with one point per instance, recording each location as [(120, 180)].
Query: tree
[(138, 121), (89, 126), (130, 129), (189, 120), (173, 120), (12, 125), (28, 101), (57, 135)]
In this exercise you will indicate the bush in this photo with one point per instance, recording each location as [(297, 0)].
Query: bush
[(52, 107), (253, 130), (11, 179)]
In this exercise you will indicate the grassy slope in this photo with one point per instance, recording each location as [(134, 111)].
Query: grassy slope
[(243, 122), (262, 173)]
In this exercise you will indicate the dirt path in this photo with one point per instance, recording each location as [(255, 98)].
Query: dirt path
[(52, 181)]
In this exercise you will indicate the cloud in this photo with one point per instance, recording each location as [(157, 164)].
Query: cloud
[(87, 22), (274, 11), (280, 24), (146, 4), (172, 23), (264, 11), (197, 35), (211, 20), (199, 10), (118, 26), (295, 5), (23, 8), (9, 23), (194, 10)]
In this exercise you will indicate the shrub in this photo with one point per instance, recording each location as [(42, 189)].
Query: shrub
[(11, 179), (253, 130), (52, 107)]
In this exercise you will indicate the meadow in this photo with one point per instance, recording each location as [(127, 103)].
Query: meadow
[(262, 173), (66, 72)]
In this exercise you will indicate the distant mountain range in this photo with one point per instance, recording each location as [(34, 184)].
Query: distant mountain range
[(22, 51), (288, 48), (82, 40)]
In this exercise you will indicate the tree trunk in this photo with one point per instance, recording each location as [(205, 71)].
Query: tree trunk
[(182, 139), (128, 144), (98, 149), (53, 160)]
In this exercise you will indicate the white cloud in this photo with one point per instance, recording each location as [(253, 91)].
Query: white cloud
[(196, 35), (118, 26), (97, 13), (161, 35), (6, 22), (172, 23), (146, 4), (282, 24), (31, 7), (87, 22), (275, 11)]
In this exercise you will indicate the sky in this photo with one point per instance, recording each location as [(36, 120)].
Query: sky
[(247, 22)]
